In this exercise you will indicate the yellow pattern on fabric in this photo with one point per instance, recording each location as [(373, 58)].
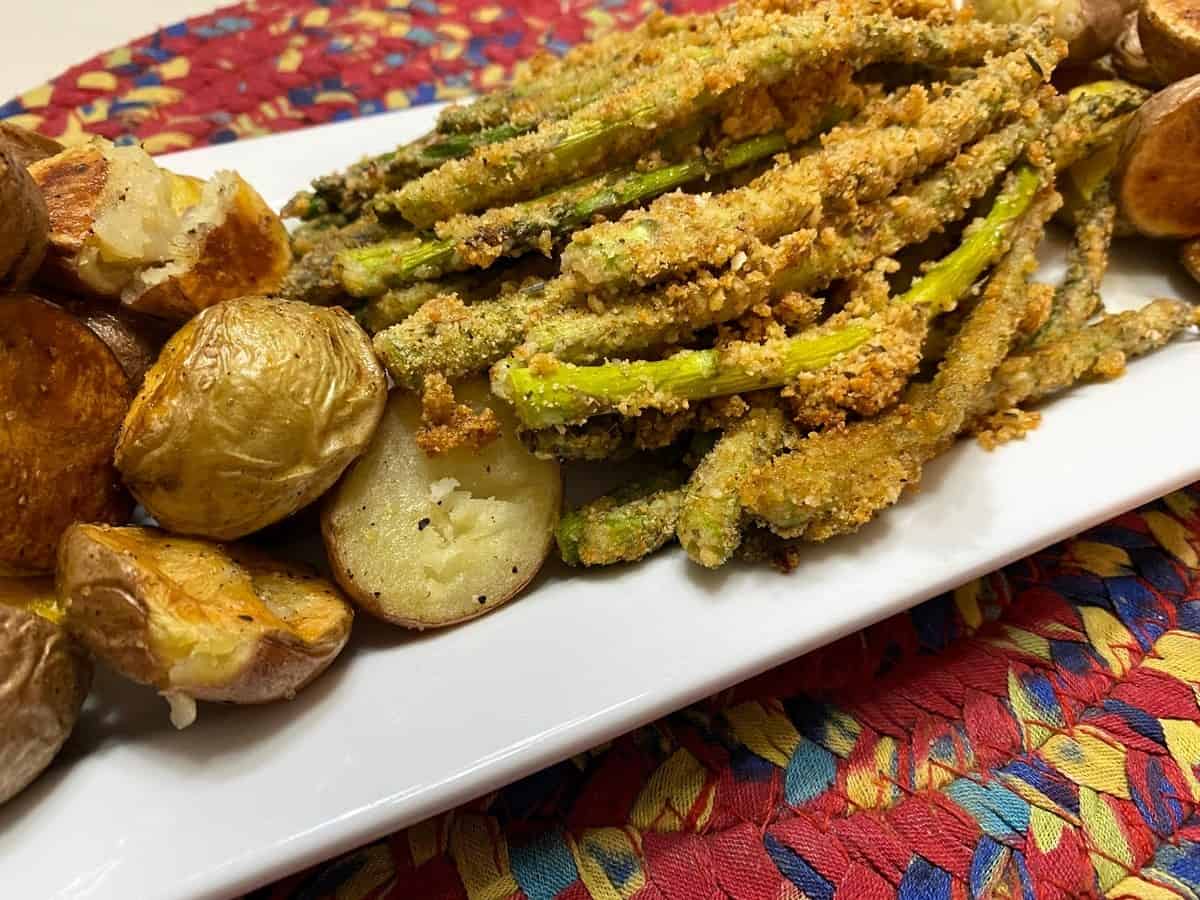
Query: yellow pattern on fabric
[(179, 67), (1177, 653), (875, 787), (1046, 827), (966, 598), (597, 844), (289, 60), (669, 794), (933, 771), (1136, 886), (1034, 731), (1105, 560), (121, 56), (841, 733), (1172, 535), (1088, 759), (1103, 832), (97, 81), (396, 99), (315, 18), (155, 95), (166, 141), (375, 868), (1042, 805), (37, 97), (423, 841), (766, 732), (480, 854), (1025, 641), (1183, 743), (97, 111), (1111, 639), (1181, 503)]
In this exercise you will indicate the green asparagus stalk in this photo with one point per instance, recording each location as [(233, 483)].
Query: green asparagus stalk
[(1096, 114), (562, 393), (836, 481), (384, 311), (1077, 299), (798, 262), (621, 125), (679, 234), (314, 278), (623, 526), (1100, 348), (476, 241), (710, 518)]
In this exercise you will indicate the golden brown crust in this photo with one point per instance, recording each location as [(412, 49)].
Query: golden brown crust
[(1158, 171), (1189, 255), (134, 339), (72, 184), (63, 394), (447, 424), (44, 679), (128, 599)]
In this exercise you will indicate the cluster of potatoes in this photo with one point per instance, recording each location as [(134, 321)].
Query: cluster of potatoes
[(159, 410)]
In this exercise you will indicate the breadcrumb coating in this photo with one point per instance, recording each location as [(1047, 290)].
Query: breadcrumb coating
[(449, 425)]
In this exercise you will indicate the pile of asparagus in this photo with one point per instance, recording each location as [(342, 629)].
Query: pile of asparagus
[(717, 242)]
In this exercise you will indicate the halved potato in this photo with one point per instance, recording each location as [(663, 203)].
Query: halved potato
[(1129, 59), (44, 678), (1158, 173), (424, 541), (1189, 253), (165, 244), (24, 224), (111, 213), (196, 619), (1170, 36), (254, 409), (62, 397), (228, 245)]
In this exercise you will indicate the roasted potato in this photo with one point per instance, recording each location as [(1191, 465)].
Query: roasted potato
[(196, 619), (169, 245), (1129, 59), (44, 679), (424, 541), (253, 410), (1189, 255), (229, 244), (63, 395), (133, 338), (26, 146), (1157, 175), (24, 225), (1170, 36), (1088, 26)]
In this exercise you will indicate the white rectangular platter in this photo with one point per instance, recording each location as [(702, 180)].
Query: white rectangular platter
[(406, 725)]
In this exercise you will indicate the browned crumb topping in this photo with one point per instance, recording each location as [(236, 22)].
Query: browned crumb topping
[(447, 424), (1004, 426)]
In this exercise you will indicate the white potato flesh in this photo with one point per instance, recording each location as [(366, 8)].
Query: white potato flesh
[(424, 541)]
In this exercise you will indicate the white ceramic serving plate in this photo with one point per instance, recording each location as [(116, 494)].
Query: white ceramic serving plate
[(406, 725)]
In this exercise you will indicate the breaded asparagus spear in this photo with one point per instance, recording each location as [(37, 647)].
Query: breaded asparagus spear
[(803, 261), (476, 241), (748, 53), (1077, 299), (623, 526), (836, 481), (681, 232), (316, 278), (710, 518), (1097, 349), (547, 392)]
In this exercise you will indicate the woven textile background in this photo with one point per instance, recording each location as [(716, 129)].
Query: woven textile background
[(1036, 733)]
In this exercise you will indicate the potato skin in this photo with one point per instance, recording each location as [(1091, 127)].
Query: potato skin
[(64, 394), (24, 226), (127, 590), (253, 410), (134, 339), (44, 679), (1170, 36), (26, 146), (1189, 255), (1157, 178), (72, 185)]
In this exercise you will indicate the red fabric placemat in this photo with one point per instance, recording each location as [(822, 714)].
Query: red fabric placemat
[(1035, 733)]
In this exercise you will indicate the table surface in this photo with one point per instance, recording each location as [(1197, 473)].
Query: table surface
[(47, 47)]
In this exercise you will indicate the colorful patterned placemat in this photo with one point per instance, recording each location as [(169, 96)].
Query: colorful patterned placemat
[(1035, 733)]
